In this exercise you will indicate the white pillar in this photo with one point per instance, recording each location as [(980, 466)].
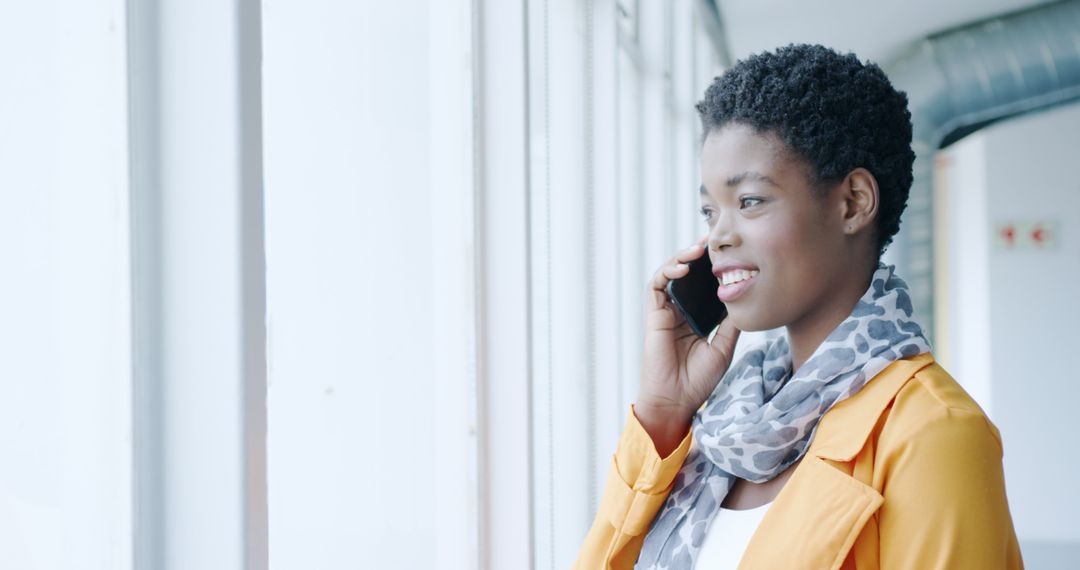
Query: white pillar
[(505, 414), (198, 284), (65, 373)]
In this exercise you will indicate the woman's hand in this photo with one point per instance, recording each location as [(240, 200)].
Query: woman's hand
[(679, 369)]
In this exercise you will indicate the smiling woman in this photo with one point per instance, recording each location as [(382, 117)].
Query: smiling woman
[(846, 441), (814, 247)]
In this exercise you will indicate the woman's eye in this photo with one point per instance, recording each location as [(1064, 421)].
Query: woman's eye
[(744, 199), (707, 212)]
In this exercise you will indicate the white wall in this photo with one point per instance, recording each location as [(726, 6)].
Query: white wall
[(65, 413), (614, 177), (1034, 314), (418, 241), (1029, 316), (962, 260), (352, 431), (455, 284)]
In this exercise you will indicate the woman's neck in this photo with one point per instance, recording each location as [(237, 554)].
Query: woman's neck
[(807, 334)]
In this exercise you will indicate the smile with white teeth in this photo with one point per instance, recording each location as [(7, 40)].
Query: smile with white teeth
[(734, 276)]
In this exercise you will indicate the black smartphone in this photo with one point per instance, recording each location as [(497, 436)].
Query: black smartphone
[(695, 297)]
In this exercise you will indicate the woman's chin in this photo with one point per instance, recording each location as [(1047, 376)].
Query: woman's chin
[(749, 322)]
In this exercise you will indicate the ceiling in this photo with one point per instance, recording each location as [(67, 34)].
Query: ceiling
[(874, 30)]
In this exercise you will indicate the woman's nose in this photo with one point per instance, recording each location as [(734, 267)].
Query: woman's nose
[(723, 234)]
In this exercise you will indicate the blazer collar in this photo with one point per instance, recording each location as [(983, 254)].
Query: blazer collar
[(839, 505), (843, 430), (814, 521)]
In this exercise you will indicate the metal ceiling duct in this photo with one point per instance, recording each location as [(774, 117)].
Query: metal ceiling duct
[(964, 79)]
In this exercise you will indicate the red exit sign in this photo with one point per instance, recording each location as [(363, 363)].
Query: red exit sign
[(1025, 235)]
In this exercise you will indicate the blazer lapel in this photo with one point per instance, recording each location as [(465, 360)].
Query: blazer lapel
[(814, 520), (821, 510), (843, 430)]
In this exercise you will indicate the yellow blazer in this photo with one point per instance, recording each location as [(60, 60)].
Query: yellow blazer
[(904, 474)]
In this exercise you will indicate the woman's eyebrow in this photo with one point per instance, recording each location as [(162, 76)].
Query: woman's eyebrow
[(740, 178), (751, 175)]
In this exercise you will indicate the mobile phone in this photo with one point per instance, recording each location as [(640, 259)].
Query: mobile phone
[(695, 297)]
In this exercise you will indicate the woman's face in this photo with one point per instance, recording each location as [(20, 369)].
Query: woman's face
[(763, 215)]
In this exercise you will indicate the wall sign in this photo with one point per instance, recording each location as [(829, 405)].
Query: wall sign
[(1040, 234)]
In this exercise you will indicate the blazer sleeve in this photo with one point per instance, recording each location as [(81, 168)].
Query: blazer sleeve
[(945, 503), (638, 482)]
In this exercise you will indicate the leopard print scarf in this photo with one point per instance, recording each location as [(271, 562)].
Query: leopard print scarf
[(755, 425)]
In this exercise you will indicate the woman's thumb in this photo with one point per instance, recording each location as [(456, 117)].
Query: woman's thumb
[(724, 339)]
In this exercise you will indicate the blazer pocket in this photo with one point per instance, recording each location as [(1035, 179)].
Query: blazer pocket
[(814, 521)]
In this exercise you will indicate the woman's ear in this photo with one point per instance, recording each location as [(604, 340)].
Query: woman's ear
[(859, 199)]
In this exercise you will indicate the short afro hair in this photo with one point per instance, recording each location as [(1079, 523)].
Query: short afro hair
[(830, 109)]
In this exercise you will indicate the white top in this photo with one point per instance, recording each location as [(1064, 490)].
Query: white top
[(727, 537)]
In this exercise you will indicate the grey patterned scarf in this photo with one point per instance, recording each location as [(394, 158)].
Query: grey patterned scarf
[(755, 425)]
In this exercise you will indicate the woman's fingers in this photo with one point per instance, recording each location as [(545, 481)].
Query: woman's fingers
[(675, 268), (667, 273), (658, 284), (689, 254), (727, 334)]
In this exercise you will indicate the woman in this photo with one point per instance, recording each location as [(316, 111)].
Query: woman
[(841, 444)]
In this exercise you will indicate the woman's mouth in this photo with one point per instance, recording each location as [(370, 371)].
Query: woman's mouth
[(733, 284)]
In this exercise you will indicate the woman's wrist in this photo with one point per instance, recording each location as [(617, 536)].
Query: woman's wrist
[(666, 426)]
